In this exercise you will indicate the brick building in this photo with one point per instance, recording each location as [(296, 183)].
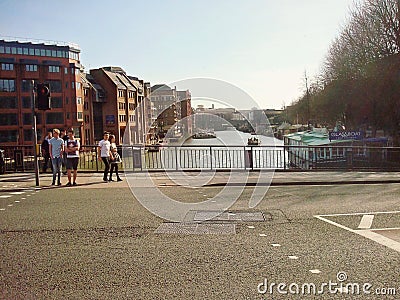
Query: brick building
[(125, 106), (57, 65), (170, 106)]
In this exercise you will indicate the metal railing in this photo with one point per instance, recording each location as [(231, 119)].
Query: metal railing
[(138, 158)]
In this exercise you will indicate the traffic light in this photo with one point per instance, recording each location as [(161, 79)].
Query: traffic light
[(43, 96)]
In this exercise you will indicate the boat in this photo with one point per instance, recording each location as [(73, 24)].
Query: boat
[(204, 135), (253, 141)]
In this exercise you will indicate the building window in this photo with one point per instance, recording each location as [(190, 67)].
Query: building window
[(26, 102), (8, 136), (121, 106), (66, 85), (55, 86), (65, 70), (78, 100), (86, 92), (121, 93), (31, 68), (131, 106), (26, 85), (66, 101), (31, 51), (86, 105), (80, 116), (54, 69), (27, 119), (8, 102), (7, 67), (78, 85), (87, 119), (7, 85), (56, 102), (8, 119), (122, 118), (68, 116), (73, 85), (131, 118), (28, 135), (55, 118)]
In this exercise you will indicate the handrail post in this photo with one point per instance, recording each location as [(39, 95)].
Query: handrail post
[(211, 157)]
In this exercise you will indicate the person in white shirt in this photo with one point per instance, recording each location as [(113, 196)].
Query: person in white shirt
[(104, 154), (72, 149)]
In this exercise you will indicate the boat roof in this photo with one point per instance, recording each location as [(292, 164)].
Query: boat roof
[(314, 138)]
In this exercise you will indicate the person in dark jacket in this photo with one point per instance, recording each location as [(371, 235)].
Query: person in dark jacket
[(46, 152)]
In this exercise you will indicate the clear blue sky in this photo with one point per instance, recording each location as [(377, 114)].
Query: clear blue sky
[(262, 46)]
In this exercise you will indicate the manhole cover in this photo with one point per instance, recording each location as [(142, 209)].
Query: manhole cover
[(193, 228), (227, 216)]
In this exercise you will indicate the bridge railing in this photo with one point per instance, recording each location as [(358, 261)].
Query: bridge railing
[(139, 158)]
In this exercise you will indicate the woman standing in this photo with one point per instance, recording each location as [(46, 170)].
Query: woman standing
[(115, 160)]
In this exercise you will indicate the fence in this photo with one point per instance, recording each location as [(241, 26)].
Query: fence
[(138, 158)]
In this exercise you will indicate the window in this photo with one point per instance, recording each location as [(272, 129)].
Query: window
[(87, 119), (26, 51), (65, 70), (26, 85), (59, 53), (56, 102), (8, 136), (72, 84), (2, 49), (131, 118), (26, 102), (13, 50), (80, 116), (37, 52), (66, 85), (55, 86), (86, 92), (131, 106), (68, 115), (122, 118), (66, 101), (48, 52), (8, 102), (27, 118), (78, 85), (31, 68), (7, 85), (31, 51), (54, 69), (28, 135), (19, 50), (78, 100), (54, 53), (7, 67), (86, 105), (121, 93), (8, 119), (42, 52), (55, 118)]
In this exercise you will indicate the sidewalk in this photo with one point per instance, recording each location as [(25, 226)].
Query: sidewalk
[(94, 180)]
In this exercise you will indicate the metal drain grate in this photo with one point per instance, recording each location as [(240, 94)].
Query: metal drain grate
[(193, 228), (228, 216)]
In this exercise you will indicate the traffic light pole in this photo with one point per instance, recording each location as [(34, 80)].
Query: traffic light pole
[(35, 156)]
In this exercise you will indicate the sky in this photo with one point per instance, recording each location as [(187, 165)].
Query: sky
[(263, 47)]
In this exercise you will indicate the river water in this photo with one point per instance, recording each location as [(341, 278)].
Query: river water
[(227, 151)]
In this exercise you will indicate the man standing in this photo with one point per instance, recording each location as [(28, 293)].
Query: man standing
[(72, 149), (56, 149), (104, 154), (46, 152)]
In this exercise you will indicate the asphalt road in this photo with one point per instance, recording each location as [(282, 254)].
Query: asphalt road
[(96, 241)]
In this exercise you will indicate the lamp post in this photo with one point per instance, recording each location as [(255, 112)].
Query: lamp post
[(35, 158)]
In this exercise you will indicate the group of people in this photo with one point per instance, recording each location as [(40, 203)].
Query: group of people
[(63, 149)]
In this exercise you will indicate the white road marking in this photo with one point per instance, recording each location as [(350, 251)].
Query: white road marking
[(2, 209), (16, 201), (5, 196), (367, 233), (275, 245), (17, 193), (10, 205), (262, 234), (384, 229), (315, 271), (23, 198), (251, 227), (364, 213), (293, 257), (366, 221)]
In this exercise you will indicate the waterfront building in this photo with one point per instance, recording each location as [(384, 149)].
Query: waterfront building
[(53, 63)]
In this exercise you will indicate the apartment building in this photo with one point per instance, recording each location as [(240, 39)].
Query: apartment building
[(55, 64)]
